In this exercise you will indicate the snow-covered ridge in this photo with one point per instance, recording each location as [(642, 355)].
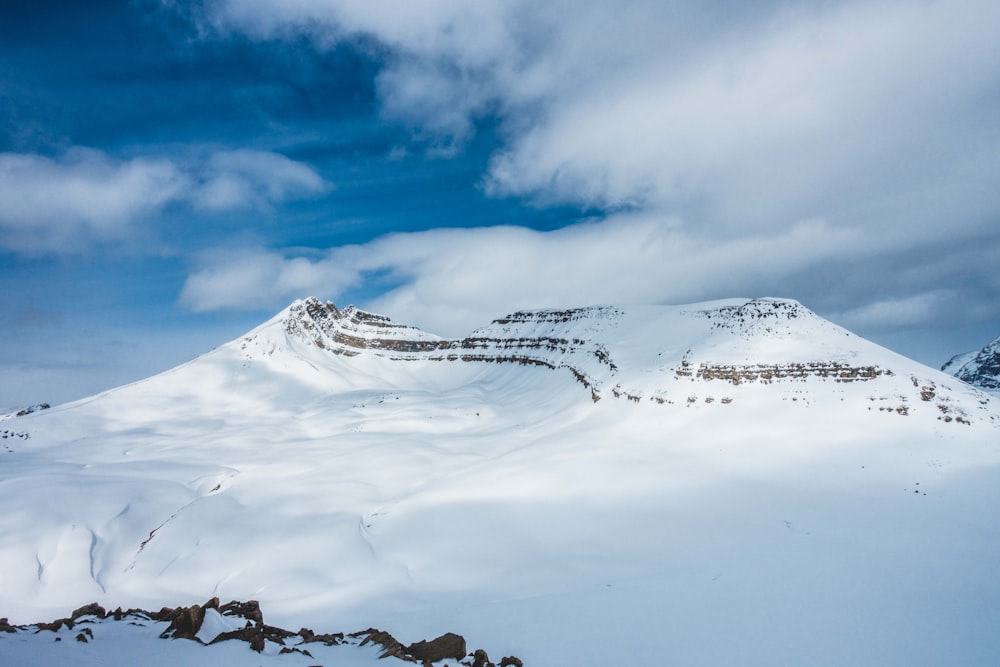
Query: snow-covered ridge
[(646, 354)]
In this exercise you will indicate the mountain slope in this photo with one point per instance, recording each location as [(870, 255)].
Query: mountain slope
[(720, 483)]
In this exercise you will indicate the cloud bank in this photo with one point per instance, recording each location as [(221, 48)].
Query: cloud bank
[(452, 280), (841, 153), (744, 116)]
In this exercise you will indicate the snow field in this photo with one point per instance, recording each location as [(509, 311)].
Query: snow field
[(805, 521)]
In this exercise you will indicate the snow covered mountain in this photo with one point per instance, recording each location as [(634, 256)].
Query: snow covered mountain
[(980, 369), (734, 482), (650, 353)]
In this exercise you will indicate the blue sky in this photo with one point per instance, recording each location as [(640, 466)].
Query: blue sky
[(173, 173)]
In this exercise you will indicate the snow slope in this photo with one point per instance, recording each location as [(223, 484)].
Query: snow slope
[(735, 482)]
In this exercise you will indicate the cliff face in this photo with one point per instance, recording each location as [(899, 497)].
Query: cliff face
[(537, 338), (351, 330)]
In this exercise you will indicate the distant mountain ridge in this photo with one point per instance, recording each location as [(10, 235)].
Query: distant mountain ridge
[(980, 369)]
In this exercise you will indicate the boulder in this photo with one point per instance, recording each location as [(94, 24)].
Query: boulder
[(448, 645)]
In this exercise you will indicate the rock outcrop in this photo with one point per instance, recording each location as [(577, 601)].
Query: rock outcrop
[(188, 622)]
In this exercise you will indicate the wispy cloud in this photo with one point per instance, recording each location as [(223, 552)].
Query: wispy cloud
[(253, 179), (66, 204)]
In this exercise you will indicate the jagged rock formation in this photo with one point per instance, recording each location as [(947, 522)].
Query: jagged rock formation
[(980, 369), (249, 627)]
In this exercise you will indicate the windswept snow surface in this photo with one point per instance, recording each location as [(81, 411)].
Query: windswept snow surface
[(735, 482)]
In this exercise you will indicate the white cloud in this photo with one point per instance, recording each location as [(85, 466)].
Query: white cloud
[(731, 116), (55, 205), (66, 204), (817, 115)]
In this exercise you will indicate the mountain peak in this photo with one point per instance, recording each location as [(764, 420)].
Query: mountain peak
[(350, 330), (641, 353), (762, 316)]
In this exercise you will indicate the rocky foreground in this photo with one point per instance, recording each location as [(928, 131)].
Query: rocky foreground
[(212, 623)]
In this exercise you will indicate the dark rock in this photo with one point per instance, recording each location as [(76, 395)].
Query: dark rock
[(448, 645), (249, 610), (251, 635), (511, 661), (185, 622), (55, 625), (256, 636), (330, 639), (390, 646), (162, 615), (481, 659), (92, 609)]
